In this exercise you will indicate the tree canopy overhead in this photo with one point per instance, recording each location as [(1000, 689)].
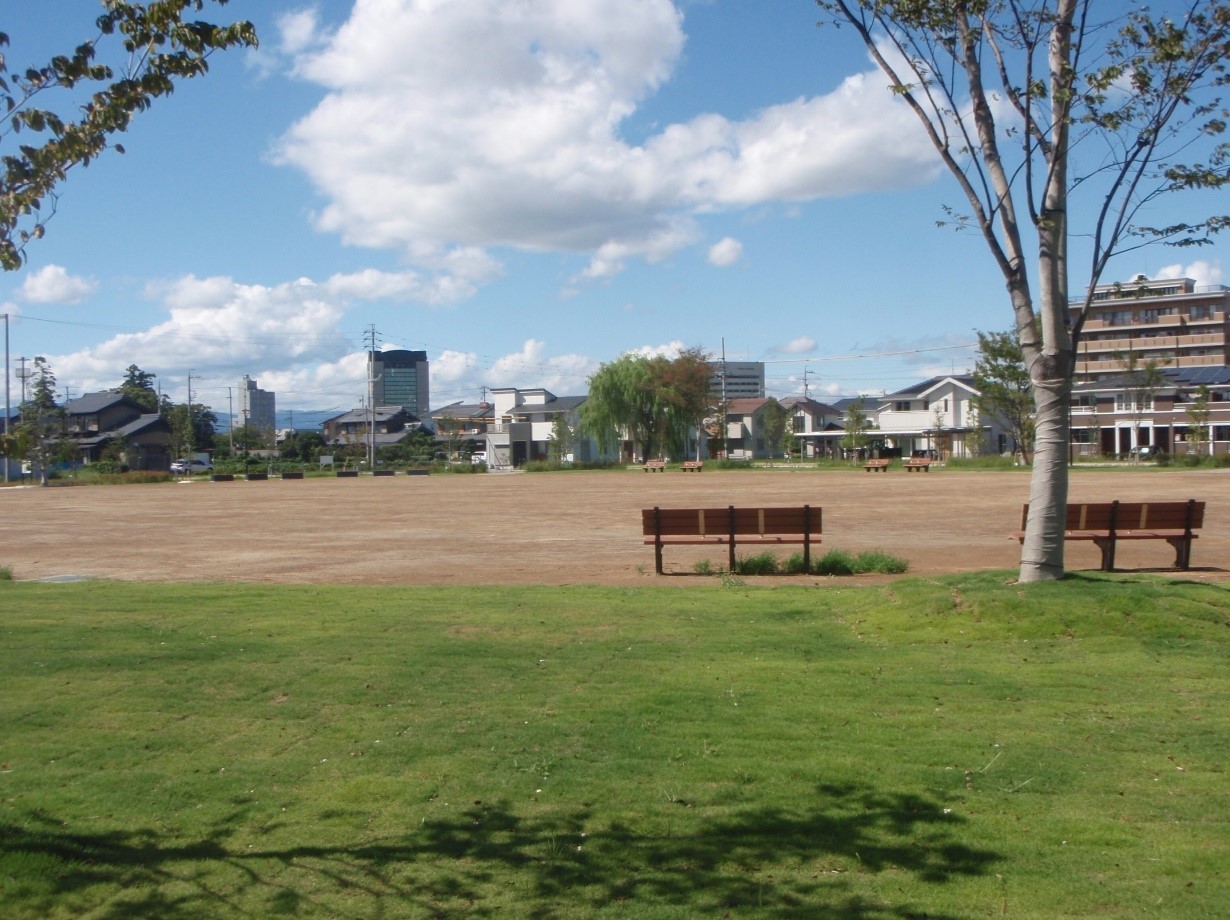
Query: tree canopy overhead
[(66, 112), (1033, 105)]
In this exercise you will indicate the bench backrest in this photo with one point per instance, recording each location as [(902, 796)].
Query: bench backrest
[(1131, 515), (678, 522)]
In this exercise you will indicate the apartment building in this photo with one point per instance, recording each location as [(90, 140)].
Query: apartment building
[(1175, 322), (1185, 410), (257, 407)]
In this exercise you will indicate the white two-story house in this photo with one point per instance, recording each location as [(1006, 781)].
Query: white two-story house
[(524, 424), (935, 417)]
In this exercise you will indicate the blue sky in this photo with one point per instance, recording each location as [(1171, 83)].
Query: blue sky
[(523, 190)]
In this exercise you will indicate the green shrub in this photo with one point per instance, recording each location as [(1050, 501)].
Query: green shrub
[(794, 565), (6, 574), (834, 562), (704, 567), (761, 564), (880, 563)]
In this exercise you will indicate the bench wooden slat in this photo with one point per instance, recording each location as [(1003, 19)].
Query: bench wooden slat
[(1105, 523), (729, 527)]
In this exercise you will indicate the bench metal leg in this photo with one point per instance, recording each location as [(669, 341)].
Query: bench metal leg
[(1182, 552), (1108, 554)]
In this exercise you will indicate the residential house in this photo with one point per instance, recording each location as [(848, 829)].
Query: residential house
[(1117, 416), (461, 428), (524, 423), (97, 420), (745, 435), (387, 424), (145, 443), (936, 418), (817, 427)]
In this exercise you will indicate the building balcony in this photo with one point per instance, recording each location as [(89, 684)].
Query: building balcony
[(1152, 343)]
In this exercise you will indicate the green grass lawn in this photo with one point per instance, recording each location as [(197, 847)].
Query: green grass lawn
[(942, 748)]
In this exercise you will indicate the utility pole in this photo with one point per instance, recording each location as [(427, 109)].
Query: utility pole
[(371, 396), (805, 371), (191, 438), (7, 404), (230, 418), (725, 426)]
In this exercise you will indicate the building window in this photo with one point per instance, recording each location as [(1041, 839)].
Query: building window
[(1124, 402), (799, 424), (903, 406)]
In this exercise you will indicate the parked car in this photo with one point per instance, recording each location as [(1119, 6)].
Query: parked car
[(479, 456), (190, 466)]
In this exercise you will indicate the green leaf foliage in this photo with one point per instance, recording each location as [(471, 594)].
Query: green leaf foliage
[(40, 141)]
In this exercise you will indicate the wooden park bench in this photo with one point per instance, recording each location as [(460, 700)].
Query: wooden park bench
[(655, 466), (917, 463), (876, 466), (692, 466), (730, 527), (1106, 523)]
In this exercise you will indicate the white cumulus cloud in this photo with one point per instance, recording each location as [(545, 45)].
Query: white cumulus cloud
[(802, 345), (1200, 271), (725, 252), (53, 284), (463, 125)]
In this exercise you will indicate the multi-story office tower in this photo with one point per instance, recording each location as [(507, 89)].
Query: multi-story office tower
[(737, 379), (400, 378)]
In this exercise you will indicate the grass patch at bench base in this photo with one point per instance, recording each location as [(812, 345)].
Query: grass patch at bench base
[(833, 562)]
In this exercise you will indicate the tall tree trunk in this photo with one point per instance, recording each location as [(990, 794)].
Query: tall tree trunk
[(1042, 551)]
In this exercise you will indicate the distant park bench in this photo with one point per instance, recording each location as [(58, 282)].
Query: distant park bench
[(692, 466), (917, 463), (730, 527), (655, 466), (876, 466), (1106, 523)]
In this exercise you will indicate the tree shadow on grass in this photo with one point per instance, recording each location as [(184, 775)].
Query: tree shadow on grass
[(805, 862)]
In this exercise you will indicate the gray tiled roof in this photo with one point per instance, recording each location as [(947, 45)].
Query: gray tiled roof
[(90, 403)]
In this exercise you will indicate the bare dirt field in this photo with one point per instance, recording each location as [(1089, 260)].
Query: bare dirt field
[(548, 529)]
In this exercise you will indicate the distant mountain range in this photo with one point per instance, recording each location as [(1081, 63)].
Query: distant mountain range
[(299, 419)]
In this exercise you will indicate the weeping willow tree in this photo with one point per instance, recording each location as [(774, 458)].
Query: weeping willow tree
[(651, 401), (1041, 109)]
